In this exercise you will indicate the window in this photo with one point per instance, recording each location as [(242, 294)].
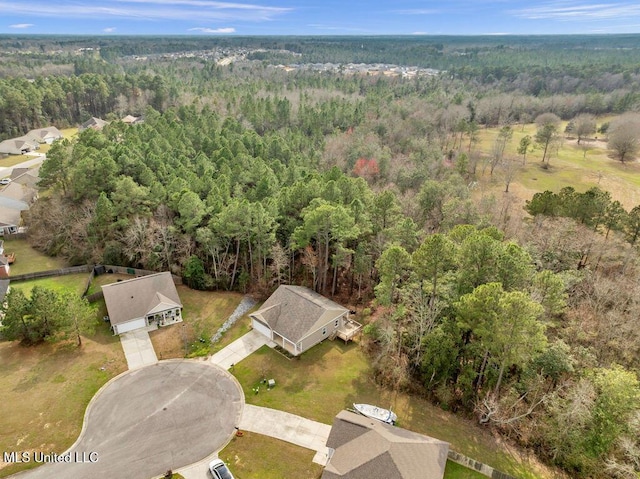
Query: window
[(337, 323), (324, 331)]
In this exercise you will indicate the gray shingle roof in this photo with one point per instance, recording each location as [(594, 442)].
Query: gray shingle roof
[(135, 298), (296, 311), (43, 134), (366, 448)]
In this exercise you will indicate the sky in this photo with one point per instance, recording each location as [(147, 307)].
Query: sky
[(319, 17)]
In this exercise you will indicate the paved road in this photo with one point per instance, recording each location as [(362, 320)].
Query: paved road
[(36, 159), (152, 419)]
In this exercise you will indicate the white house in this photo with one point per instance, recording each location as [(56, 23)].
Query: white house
[(144, 301)]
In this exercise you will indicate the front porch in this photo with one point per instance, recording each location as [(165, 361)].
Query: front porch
[(164, 318), (285, 344)]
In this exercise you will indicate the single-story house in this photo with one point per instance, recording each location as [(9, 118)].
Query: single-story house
[(11, 214), (363, 448), (4, 267), (18, 146), (4, 289), (93, 123), (132, 120), (144, 301), (298, 318), (26, 176), (45, 135), (18, 191)]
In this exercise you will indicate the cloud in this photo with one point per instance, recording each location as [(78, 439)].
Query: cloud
[(418, 11), (109, 29), (575, 11), (145, 9), (213, 30), (22, 25)]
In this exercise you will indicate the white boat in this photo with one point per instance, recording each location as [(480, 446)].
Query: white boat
[(375, 412)]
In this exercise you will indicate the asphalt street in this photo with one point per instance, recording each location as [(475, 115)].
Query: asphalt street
[(152, 419)]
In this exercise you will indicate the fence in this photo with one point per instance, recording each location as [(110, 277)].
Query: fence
[(89, 268), (477, 466), (53, 272)]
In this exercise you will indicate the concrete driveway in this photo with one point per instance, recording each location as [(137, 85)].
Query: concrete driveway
[(240, 349), (288, 427), (152, 419), (138, 348)]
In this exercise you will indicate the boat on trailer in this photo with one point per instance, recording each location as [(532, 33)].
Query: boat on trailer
[(375, 412)]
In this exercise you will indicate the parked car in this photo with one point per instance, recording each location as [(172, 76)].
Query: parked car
[(5, 181), (219, 470)]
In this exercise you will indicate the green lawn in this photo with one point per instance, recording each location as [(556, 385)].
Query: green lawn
[(70, 282), (46, 388), (456, 471), (332, 376), (29, 260), (254, 455), (203, 313)]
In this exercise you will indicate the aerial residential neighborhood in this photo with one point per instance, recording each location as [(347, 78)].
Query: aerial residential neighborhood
[(319, 241)]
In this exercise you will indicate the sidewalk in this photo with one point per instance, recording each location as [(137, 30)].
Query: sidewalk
[(240, 349)]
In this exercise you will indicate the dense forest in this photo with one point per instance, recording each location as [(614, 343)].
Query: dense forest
[(245, 176)]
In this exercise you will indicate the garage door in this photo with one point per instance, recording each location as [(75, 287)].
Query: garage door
[(129, 326), (261, 327)]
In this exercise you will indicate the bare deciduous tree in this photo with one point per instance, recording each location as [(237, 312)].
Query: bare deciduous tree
[(624, 136)]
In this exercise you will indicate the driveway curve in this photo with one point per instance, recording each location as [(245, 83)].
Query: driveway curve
[(152, 419)]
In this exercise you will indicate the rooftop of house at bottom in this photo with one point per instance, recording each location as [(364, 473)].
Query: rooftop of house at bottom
[(363, 448)]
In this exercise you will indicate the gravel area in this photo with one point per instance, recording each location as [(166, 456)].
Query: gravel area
[(245, 305)]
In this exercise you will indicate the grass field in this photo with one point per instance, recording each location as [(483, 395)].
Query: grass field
[(28, 260), (203, 313), (580, 166), (254, 455), (332, 376), (71, 282), (45, 389)]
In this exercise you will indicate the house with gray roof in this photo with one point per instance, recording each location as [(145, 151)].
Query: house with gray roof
[(93, 123), (363, 448), (298, 318), (45, 135), (140, 302), (18, 146)]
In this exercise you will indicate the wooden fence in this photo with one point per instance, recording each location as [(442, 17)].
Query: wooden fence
[(477, 466)]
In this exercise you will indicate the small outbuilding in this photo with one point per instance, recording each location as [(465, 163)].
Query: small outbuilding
[(298, 318), (363, 448), (140, 302)]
